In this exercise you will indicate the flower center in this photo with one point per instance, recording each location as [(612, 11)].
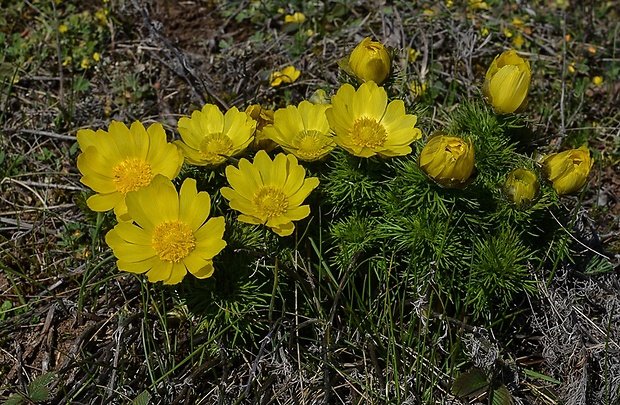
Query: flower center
[(367, 132), (215, 146), (173, 241), (270, 202), (132, 174), (309, 143)]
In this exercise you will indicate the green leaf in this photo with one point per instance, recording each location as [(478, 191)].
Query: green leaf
[(143, 399), (80, 84), (38, 390), (15, 399), (540, 376), (470, 383), (501, 396)]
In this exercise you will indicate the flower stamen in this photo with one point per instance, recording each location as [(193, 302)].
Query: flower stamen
[(132, 174), (270, 202), (214, 146), (173, 241), (369, 133), (309, 144)]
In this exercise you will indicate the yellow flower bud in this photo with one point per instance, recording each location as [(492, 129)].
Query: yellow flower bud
[(568, 171), (263, 118), (521, 187), (448, 160), (507, 82), (370, 61)]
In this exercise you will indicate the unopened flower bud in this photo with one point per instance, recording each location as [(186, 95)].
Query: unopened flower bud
[(521, 187), (507, 83), (370, 61), (448, 160), (568, 171)]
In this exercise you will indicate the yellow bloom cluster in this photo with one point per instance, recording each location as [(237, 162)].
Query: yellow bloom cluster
[(166, 234)]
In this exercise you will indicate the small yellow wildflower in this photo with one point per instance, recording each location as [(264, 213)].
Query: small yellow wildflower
[(302, 130), (449, 3), (66, 60), (298, 18), (62, 28), (597, 80), (517, 22), (85, 63), (309, 32), (210, 136), (428, 11), (518, 41), (171, 235), (122, 160), (507, 33), (571, 67), (280, 10), (101, 16), (96, 56), (479, 5), (366, 125), (288, 75), (268, 192), (484, 32), (412, 54)]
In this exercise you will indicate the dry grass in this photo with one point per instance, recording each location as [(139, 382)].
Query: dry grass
[(109, 337)]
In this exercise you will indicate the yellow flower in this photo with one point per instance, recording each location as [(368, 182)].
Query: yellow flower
[(517, 22), (365, 125), (303, 131), (571, 67), (479, 5), (448, 160), (62, 28), (521, 187), (568, 171), (518, 41), (269, 192), (288, 75), (418, 89), (209, 136), (101, 16), (412, 54), (121, 160), (597, 80), (298, 18), (370, 61), (170, 234), (66, 60), (263, 117), (96, 56), (507, 83), (85, 63)]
